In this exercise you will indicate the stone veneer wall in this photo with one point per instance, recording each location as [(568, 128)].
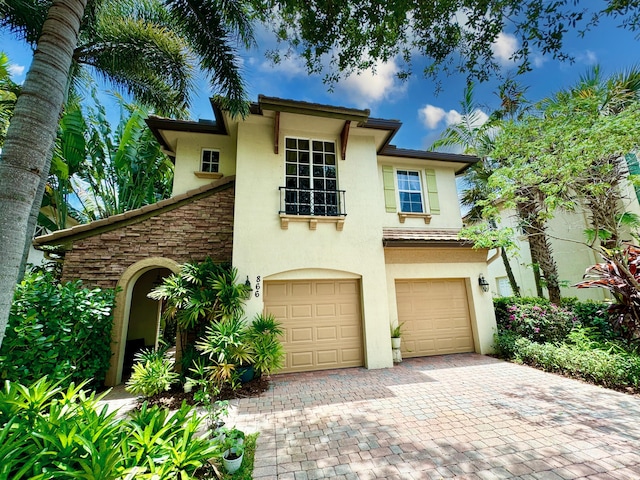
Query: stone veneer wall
[(193, 231)]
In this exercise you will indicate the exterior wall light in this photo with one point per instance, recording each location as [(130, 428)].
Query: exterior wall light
[(483, 283), (247, 284)]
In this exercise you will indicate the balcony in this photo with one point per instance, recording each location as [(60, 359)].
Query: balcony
[(313, 206)]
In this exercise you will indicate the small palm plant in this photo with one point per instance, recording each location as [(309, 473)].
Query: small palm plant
[(226, 343), (268, 350)]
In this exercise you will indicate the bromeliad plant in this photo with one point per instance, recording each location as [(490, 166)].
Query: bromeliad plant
[(620, 274)]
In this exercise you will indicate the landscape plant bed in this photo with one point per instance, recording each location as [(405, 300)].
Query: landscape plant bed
[(173, 398), (615, 371)]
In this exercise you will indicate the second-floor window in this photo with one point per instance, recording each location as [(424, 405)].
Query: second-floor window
[(210, 161), (410, 191), (311, 184)]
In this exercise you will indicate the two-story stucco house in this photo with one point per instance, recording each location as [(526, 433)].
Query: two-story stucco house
[(339, 233)]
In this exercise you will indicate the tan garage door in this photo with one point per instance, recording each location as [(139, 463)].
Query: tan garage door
[(435, 315), (321, 320)]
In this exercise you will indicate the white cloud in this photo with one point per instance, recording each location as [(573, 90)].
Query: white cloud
[(368, 87), (504, 47), (432, 117), (290, 65), (16, 70), (588, 57), (538, 60)]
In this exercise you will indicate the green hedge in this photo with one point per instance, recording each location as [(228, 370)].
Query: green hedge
[(606, 368), (59, 330)]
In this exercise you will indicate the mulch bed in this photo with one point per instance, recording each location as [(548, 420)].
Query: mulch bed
[(173, 398)]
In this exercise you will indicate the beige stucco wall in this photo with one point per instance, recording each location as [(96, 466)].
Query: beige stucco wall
[(263, 249), (189, 154), (449, 216)]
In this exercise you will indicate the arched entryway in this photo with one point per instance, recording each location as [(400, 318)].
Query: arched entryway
[(143, 327), (136, 316)]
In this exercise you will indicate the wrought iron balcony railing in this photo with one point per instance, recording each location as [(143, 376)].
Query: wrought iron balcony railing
[(304, 201)]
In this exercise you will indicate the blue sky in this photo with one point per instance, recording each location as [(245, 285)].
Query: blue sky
[(424, 113)]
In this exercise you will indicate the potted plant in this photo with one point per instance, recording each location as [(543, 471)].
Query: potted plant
[(396, 335), (233, 452)]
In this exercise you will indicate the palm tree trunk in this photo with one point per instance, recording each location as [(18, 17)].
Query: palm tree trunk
[(33, 222), (541, 252), (537, 278), (30, 138), (512, 279)]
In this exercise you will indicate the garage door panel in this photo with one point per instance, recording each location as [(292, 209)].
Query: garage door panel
[(321, 320), (301, 311), (327, 333), (301, 289), (300, 360), (297, 335), (352, 356), (326, 310), (325, 288), (436, 317), (327, 358)]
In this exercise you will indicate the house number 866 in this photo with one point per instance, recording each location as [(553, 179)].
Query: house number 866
[(257, 293)]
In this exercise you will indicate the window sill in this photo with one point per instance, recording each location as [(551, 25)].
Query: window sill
[(212, 175), (404, 215), (312, 219)]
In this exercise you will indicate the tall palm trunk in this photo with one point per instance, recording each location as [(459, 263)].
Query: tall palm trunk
[(27, 150), (536, 231), (512, 279), (541, 251)]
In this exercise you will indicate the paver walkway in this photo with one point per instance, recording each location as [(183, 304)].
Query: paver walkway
[(456, 416)]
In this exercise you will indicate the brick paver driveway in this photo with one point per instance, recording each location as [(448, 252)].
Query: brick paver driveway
[(457, 416)]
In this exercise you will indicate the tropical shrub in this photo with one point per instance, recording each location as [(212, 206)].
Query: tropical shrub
[(268, 352), (227, 345), (539, 323), (59, 330), (611, 369), (47, 431), (500, 305), (153, 372), (620, 274)]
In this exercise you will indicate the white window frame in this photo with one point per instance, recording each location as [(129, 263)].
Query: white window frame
[(423, 203), (210, 162), (311, 177)]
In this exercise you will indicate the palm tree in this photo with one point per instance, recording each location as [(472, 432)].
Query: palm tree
[(599, 184), (476, 136), (9, 91), (24, 165)]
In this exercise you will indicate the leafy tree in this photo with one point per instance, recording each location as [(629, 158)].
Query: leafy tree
[(55, 28), (565, 154), (451, 35), (123, 169), (476, 134)]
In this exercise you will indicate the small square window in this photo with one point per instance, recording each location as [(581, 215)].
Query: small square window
[(210, 161)]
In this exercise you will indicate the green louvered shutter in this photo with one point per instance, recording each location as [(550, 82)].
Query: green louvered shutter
[(634, 168), (432, 192), (389, 189)]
